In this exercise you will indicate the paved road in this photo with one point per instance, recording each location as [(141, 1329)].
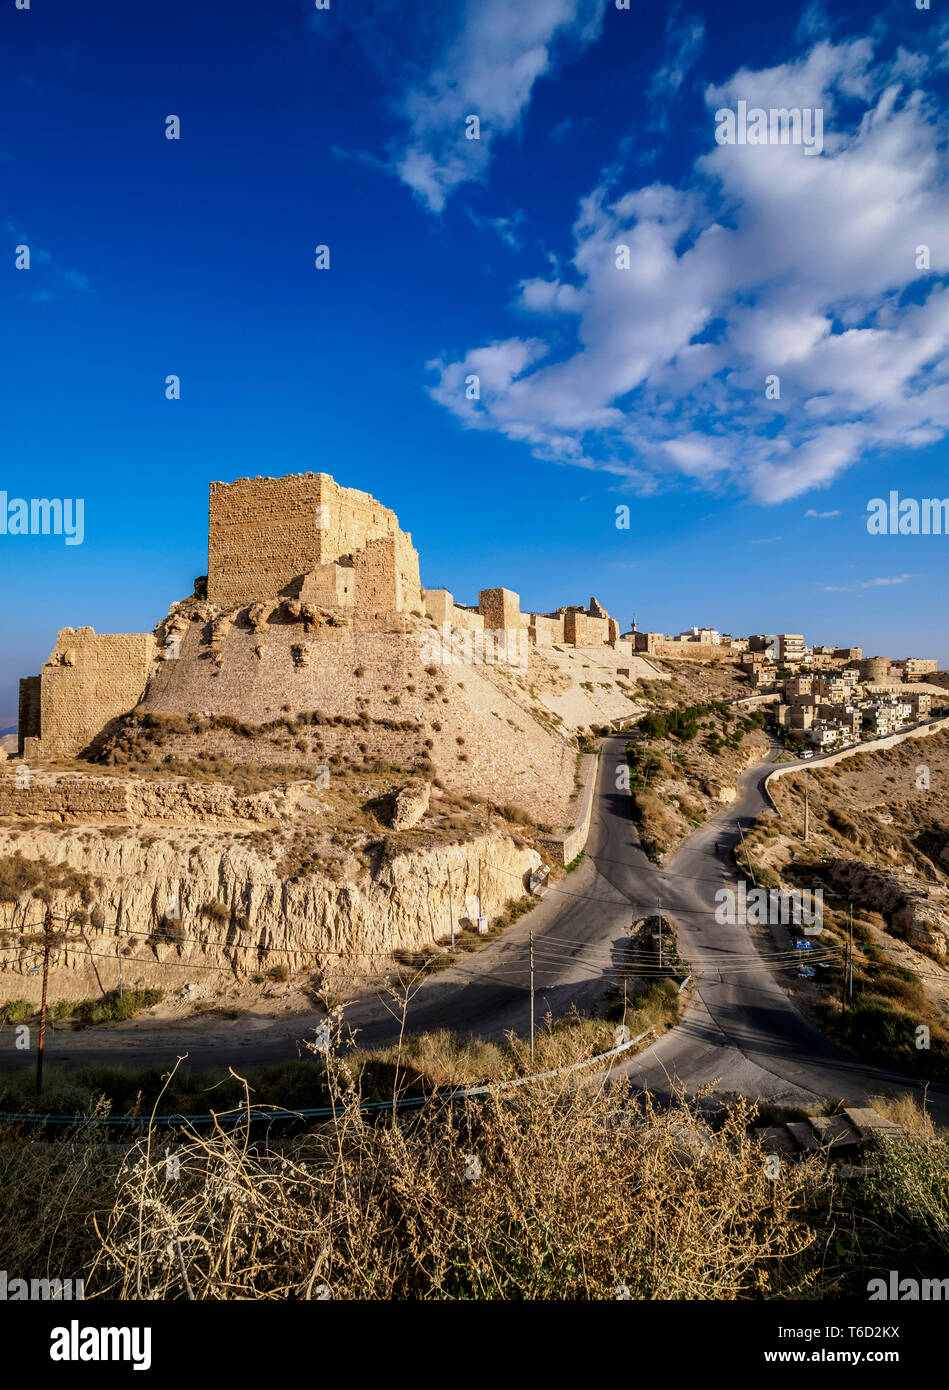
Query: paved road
[(740, 1031), (741, 1026)]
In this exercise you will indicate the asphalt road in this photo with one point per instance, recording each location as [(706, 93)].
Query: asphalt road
[(740, 1032)]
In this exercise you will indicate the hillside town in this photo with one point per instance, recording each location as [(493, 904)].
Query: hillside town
[(824, 697)]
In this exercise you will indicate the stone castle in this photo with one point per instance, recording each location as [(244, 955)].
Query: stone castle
[(282, 552)]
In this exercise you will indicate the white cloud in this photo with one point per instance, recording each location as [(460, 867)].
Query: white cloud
[(684, 41), (765, 261), (821, 515), (883, 582), (487, 70), (509, 229)]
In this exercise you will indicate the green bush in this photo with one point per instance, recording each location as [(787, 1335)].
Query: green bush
[(116, 1008), (16, 1011)]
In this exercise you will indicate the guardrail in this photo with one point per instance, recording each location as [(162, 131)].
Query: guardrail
[(326, 1112)]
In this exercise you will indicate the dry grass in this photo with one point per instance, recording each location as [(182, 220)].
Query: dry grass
[(558, 1190), (554, 1192)]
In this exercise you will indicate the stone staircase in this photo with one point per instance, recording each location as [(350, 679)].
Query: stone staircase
[(842, 1136)]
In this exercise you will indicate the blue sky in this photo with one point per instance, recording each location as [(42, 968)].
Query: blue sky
[(599, 386)]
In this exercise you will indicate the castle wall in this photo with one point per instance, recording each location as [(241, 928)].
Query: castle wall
[(265, 532), (406, 559), (89, 680), (28, 718), (441, 608), (655, 644), (379, 693), (584, 631), (697, 651), (501, 609), (438, 605), (329, 586), (544, 632), (466, 618), (378, 580)]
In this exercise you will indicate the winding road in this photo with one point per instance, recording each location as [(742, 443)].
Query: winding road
[(740, 1031)]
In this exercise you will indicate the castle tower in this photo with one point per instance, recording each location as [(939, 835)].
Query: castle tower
[(266, 533)]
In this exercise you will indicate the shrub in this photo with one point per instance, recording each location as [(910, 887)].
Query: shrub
[(116, 1007), (16, 1011)]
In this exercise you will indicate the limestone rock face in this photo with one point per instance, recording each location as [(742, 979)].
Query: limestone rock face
[(410, 806), (723, 795), (233, 909), (918, 912)]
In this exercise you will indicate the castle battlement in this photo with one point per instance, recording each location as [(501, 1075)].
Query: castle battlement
[(299, 546)]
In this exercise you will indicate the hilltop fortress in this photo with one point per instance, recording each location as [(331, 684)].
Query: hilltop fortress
[(314, 603)]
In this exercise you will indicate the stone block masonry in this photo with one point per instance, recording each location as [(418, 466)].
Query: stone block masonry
[(501, 609), (265, 533), (545, 632), (281, 551), (580, 630), (89, 680)]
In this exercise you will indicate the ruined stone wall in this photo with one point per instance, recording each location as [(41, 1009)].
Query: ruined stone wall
[(544, 632), (500, 608), (69, 798), (406, 558), (583, 631), (329, 586), (265, 532), (696, 651), (438, 605), (28, 719), (89, 680), (466, 618), (378, 581)]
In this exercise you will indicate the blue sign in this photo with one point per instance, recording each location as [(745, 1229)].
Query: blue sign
[(803, 945)]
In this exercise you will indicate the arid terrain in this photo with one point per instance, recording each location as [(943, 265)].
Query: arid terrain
[(877, 840)]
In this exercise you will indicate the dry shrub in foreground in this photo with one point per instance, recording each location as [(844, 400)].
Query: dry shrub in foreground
[(548, 1191)]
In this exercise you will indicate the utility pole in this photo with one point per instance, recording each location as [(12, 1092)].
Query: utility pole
[(480, 910), (807, 816), (747, 855), (118, 952), (451, 915), (659, 908), (850, 971), (531, 937), (47, 930)]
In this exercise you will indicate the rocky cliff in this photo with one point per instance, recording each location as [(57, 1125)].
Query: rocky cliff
[(204, 905)]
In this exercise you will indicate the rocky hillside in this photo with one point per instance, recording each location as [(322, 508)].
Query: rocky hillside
[(291, 684), (878, 842), (302, 883)]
